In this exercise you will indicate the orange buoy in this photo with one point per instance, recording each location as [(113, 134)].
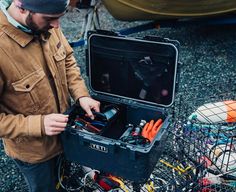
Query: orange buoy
[(219, 112)]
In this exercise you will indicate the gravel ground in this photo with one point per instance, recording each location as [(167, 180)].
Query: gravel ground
[(208, 63)]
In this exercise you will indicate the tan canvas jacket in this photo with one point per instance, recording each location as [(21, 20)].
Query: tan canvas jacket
[(37, 75)]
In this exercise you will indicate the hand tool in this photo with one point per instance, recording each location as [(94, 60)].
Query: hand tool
[(147, 128), (151, 129), (82, 124), (155, 129)]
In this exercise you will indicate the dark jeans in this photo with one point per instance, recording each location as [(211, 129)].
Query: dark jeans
[(40, 177)]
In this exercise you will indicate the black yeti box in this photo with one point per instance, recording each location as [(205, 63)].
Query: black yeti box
[(134, 79)]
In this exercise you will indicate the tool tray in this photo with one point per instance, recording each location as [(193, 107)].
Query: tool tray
[(134, 79)]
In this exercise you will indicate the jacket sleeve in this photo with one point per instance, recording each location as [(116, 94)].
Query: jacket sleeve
[(12, 126), (76, 83)]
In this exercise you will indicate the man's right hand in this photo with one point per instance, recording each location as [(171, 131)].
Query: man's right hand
[(55, 123)]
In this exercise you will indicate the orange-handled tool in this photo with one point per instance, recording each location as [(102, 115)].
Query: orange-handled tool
[(147, 128), (155, 129)]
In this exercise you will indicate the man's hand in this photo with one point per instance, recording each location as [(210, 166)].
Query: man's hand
[(54, 123), (87, 103)]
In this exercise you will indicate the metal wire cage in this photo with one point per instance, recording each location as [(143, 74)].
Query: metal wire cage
[(205, 124)]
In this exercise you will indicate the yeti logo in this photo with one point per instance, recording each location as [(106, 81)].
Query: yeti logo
[(99, 148)]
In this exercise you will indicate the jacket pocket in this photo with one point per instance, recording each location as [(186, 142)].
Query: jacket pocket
[(34, 89), (60, 60), (28, 82)]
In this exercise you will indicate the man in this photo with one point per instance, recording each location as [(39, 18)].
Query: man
[(38, 74)]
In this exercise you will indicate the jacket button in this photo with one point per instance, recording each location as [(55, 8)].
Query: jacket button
[(27, 86)]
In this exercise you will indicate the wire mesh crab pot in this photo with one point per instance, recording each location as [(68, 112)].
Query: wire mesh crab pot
[(177, 170), (208, 124)]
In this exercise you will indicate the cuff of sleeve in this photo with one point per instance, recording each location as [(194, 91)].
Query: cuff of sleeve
[(42, 126), (35, 125), (80, 96), (77, 100)]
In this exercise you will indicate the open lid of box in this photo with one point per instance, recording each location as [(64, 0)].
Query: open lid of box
[(138, 69)]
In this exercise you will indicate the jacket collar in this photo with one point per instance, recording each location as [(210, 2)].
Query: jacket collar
[(22, 38)]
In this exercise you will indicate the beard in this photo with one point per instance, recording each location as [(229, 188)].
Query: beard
[(34, 27)]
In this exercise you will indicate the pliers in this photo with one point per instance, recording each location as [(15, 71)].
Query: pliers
[(151, 129)]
